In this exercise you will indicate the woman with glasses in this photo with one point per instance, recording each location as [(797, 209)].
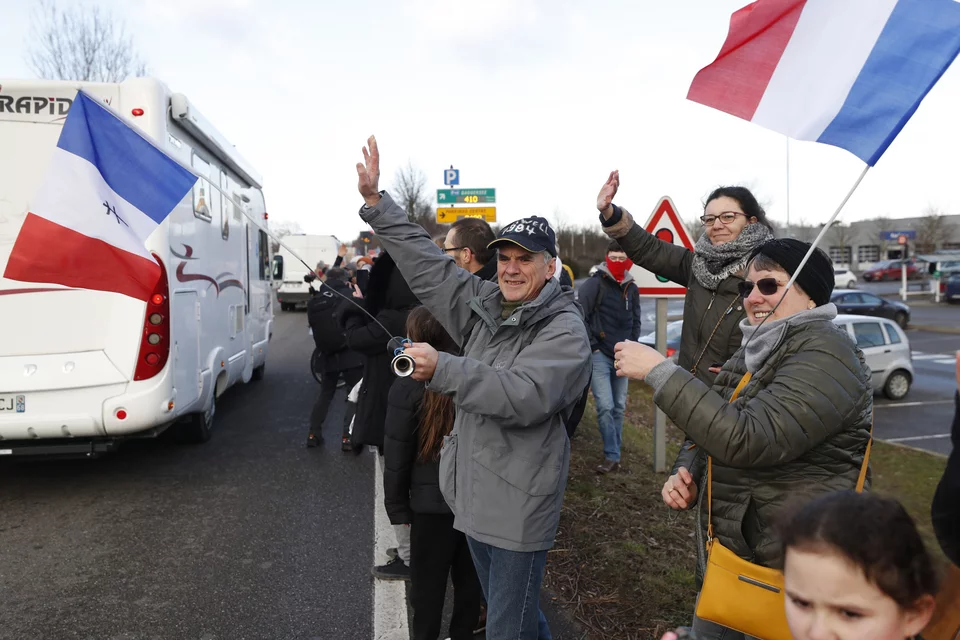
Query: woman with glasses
[(734, 225), (800, 425)]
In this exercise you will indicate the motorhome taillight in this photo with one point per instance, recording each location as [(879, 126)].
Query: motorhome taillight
[(155, 337), (137, 112)]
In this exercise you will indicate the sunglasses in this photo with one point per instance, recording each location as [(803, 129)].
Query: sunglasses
[(767, 286)]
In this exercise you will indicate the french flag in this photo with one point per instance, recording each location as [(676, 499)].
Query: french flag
[(849, 73), (106, 190)]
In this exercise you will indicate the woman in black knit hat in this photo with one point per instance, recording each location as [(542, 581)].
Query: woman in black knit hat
[(798, 428)]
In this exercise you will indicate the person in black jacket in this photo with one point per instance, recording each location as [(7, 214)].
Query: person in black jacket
[(417, 421), (389, 300), (336, 359), (945, 511), (611, 310)]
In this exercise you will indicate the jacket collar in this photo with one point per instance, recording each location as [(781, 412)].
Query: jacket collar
[(488, 271), (760, 341)]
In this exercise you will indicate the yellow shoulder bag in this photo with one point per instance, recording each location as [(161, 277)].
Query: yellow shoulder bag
[(740, 595)]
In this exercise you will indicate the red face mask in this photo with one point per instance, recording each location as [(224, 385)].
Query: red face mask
[(618, 269)]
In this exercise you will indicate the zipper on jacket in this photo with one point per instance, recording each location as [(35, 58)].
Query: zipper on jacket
[(702, 318)]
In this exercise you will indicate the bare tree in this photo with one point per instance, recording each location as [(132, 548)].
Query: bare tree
[(82, 43), (695, 229), (841, 237), (931, 230), (282, 229), (410, 192), (803, 231)]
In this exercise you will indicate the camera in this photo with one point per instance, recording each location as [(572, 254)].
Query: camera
[(402, 364)]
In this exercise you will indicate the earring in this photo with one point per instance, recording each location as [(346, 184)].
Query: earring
[(811, 305)]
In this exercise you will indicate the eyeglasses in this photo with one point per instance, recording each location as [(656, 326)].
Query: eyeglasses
[(445, 249), (726, 218), (617, 258), (767, 286)]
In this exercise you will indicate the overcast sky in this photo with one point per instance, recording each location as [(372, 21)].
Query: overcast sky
[(538, 99)]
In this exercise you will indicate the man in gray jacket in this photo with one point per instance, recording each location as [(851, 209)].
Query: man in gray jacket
[(525, 362)]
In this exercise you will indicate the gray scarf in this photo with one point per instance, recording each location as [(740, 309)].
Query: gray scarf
[(767, 336), (712, 264)]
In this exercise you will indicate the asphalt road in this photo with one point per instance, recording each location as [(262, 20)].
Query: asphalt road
[(247, 536), (923, 418)]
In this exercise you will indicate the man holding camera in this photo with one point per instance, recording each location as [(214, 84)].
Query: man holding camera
[(525, 363)]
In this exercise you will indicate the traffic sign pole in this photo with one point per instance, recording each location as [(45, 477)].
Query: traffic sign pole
[(665, 224), (659, 417)]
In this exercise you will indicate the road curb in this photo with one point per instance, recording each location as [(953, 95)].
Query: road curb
[(934, 328), (917, 449)]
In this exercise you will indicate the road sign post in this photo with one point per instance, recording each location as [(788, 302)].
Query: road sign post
[(904, 254), (659, 417), (665, 224)]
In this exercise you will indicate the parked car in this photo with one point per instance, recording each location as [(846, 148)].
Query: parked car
[(844, 278), (866, 304), (950, 286), (890, 270), (887, 351), (674, 329)]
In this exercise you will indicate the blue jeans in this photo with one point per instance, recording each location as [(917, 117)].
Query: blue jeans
[(511, 585), (610, 394)]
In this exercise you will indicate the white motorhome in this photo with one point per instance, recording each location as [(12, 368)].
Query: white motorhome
[(81, 369), (293, 291)]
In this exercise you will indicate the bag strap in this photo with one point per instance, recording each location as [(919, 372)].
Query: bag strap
[(866, 458), (736, 393), (710, 339)]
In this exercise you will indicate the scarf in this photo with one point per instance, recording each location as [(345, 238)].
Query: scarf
[(618, 269), (712, 264), (767, 336)]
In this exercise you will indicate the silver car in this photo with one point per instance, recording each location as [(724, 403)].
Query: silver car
[(886, 349)]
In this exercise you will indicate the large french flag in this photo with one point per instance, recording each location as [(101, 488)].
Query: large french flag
[(849, 73), (106, 190)]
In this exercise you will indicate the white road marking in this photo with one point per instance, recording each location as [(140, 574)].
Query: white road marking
[(913, 404), (389, 597), (949, 361), (914, 438)]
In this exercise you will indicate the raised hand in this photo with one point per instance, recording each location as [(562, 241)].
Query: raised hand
[(369, 173), (342, 252), (607, 193)]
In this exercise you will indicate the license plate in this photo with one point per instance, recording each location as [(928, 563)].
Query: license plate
[(13, 404)]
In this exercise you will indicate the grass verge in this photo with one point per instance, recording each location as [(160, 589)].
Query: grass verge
[(623, 564)]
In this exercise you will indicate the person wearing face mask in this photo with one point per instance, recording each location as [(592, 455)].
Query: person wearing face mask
[(734, 225), (801, 424), (611, 309)]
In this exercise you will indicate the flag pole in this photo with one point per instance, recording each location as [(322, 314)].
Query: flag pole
[(789, 234)]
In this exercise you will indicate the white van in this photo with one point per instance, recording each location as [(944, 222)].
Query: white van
[(80, 369), (294, 291)]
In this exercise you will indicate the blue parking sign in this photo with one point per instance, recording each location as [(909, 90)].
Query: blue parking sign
[(451, 176)]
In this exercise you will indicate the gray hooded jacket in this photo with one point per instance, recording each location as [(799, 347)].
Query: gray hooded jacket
[(503, 469)]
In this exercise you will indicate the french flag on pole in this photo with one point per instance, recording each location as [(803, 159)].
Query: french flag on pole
[(849, 73), (106, 190)]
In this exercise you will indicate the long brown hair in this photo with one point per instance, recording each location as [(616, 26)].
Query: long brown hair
[(436, 412)]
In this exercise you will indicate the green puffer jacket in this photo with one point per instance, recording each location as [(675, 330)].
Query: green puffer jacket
[(799, 428), (706, 313)]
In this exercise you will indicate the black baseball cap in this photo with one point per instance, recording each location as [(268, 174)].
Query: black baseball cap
[(533, 234)]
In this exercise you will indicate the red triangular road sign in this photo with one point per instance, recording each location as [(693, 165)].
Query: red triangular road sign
[(665, 224)]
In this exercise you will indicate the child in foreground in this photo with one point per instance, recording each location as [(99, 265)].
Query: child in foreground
[(855, 568)]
